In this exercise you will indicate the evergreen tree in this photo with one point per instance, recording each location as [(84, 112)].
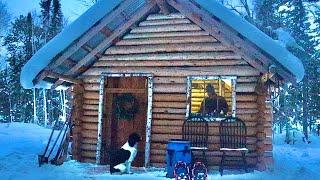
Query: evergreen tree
[(19, 46), (45, 6), (298, 22), (4, 96), (56, 19), (267, 16), (4, 17)]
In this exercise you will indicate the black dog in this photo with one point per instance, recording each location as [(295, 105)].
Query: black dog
[(121, 159)]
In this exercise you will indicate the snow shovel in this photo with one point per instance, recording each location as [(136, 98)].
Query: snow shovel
[(43, 158), (62, 151)]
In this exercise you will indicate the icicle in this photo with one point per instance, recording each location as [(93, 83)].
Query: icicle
[(35, 118), (45, 108)]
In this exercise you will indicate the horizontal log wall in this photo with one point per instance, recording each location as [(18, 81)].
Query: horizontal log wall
[(89, 123), (77, 114), (172, 49)]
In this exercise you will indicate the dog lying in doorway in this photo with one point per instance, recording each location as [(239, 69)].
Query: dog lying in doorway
[(121, 159)]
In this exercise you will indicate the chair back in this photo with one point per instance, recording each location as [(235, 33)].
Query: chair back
[(195, 129), (233, 133)]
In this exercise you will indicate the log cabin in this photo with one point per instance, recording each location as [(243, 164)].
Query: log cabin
[(162, 54)]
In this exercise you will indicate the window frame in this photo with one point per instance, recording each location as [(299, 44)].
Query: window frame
[(233, 96)]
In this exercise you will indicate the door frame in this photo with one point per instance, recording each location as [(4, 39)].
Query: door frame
[(149, 77)]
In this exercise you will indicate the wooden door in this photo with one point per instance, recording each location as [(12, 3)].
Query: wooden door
[(118, 130)]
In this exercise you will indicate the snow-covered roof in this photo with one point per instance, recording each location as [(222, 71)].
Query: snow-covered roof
[(58, 44), (79, 27), (253, 34)]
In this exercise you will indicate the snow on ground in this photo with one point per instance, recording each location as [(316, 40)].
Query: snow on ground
[(21, 143)]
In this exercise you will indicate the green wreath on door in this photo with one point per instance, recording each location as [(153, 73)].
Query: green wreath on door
[(126, 106)]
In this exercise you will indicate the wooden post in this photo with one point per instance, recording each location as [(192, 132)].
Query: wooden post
[(149, 122), (100, 119)]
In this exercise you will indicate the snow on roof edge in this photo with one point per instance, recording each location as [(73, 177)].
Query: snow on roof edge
[(59, 43), (256, 36)]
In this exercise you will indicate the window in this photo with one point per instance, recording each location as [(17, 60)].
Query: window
[(211, 97)]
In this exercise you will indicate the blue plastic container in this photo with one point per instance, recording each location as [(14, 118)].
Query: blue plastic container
[(177, 150)]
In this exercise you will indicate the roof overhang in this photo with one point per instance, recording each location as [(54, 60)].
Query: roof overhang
[(83, 42)]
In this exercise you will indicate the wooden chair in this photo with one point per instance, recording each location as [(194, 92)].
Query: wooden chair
[(233, 134), (195, 129)]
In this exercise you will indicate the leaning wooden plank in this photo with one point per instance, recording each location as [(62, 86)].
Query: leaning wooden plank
[(174, 56), (165, 34), (186, 47), (166, 28), (164, 22), (177, 72), (167, 40), (169, 63)]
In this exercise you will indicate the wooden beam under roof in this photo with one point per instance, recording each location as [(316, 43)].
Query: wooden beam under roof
[(89, 49), (54, 75), (144, 10), (163, 5), (64, 78), (92, 32), (43, 74), (227, 36), (69, 63), (106, 31)]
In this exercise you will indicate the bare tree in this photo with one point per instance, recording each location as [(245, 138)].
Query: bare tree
[(242, 7)]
